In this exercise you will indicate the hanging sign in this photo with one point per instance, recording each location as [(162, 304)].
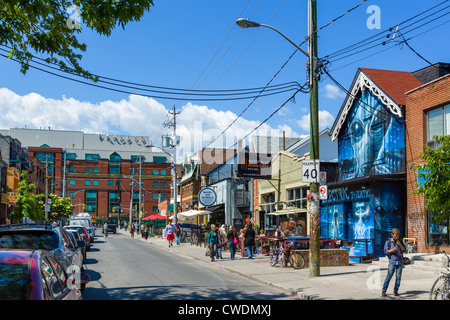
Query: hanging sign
[(207, 197)]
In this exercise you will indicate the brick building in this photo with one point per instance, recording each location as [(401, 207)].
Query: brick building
[(427, 114), (98, 172)]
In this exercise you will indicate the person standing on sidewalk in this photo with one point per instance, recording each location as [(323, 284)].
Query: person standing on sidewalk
[(177, 232), (146, 230), (213, 241), (249, 242), (394, 249), (231, 235)]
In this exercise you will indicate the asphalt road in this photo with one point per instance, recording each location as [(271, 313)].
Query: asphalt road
[(122, 268)]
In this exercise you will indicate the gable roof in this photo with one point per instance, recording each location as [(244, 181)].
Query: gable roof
[(211, 158), (393, 83), (387, 85)]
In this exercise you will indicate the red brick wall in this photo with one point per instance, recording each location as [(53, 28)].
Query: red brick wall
[(417, 103)]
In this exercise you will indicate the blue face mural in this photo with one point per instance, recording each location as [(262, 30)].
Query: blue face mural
[(372, 141), (363, 214)]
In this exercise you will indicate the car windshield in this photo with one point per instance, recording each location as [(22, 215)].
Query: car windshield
[(29, 240), (79, 229), (13, 281)]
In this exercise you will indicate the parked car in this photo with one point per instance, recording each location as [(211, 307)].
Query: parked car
[(27, 274), (83, 233), (111, 227), (44, 236), (82, 244), (85, 223)]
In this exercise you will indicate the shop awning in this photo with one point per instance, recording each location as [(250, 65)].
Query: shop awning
[(193, 213), (288, 210), (217, 207)]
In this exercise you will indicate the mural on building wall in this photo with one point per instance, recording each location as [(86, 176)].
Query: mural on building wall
[(372, 142), (366, 214)]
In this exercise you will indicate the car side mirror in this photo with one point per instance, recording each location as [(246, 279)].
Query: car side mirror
[(81, 244)]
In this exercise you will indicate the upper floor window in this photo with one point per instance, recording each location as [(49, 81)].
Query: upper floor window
[(114, 163), (92, 156), (437, 123)]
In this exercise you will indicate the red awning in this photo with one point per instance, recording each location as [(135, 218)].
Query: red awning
[(155, 216)]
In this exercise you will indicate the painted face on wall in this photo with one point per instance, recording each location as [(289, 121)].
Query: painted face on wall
[(373, 142)]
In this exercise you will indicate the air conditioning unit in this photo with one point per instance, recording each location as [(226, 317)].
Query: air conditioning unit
[(431, 144)]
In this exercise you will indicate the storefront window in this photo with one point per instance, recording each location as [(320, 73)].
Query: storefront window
[(438, 234)]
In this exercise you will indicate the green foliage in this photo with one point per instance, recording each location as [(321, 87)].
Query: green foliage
[(50, 27), (33, 206), (436, 173)]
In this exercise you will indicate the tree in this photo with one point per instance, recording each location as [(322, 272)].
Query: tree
[(436, 173), (60, 208), (27, 203), (51, 27)]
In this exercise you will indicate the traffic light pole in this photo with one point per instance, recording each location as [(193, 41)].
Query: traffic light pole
[(314, 247)]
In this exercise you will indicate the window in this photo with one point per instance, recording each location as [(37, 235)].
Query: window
[(110, 183), (113, 201), (72, 182), (163, 172), (155, 209), (92, 157), (114, 163), (72, 169), (155, 184), (438, 234), (91, 201), (87, 170), (163, 197), (95, 182), (163, 184), (71, 195), (87, 182), (155, 171), (159, 159), (95, 170), (155, 196), (438, 122), (135, 159)]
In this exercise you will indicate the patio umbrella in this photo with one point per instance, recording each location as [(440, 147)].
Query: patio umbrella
[(155, 216)]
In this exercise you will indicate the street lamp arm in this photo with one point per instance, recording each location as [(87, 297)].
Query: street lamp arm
[(245, 23)]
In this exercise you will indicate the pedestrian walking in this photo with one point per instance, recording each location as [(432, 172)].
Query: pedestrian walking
[(132, 229), (146, 230), (213, 241), (249, 242), (233, 240), (170, 228), (177, 232), (394, 249)]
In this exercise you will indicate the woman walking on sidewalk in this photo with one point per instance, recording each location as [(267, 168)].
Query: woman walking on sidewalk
[(249, 236), (213, 241), (232, 237)]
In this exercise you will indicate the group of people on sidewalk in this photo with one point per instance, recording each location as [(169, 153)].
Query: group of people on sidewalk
[(219, 237), (144, 230)]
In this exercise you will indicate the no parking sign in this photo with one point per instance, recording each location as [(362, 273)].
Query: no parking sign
[(323, 193)]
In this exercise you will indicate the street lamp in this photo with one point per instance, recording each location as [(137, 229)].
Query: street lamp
[(314, 265)]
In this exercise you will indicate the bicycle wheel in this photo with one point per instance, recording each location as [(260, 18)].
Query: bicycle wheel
[(440, 289), (296, 260), (274, 259)]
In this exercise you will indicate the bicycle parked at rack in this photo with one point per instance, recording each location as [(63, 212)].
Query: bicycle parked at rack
[(441, 287), (284, 255)]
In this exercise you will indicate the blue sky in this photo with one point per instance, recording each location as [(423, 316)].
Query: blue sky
[(178, 42)]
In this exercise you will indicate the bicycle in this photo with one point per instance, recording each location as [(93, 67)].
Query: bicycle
[(282, 255), (441, 287)]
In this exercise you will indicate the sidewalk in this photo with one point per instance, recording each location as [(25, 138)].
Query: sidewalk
[(355, 282)]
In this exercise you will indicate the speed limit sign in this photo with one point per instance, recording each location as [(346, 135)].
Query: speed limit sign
[(310, 171)]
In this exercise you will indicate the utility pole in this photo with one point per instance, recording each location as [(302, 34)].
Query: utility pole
[(140, 188), (314, 247), (46, 188), (174, 177)]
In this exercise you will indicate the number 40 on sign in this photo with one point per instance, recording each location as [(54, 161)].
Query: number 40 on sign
[(310, 171)]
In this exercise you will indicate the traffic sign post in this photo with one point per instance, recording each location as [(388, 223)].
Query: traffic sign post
[(323, 192), (310, 171)]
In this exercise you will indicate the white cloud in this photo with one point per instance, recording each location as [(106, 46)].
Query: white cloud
[(197, 125), (326, 120), (333, 92)]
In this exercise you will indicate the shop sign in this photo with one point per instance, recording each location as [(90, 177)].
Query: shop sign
[(207, 197), (254, 165)]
